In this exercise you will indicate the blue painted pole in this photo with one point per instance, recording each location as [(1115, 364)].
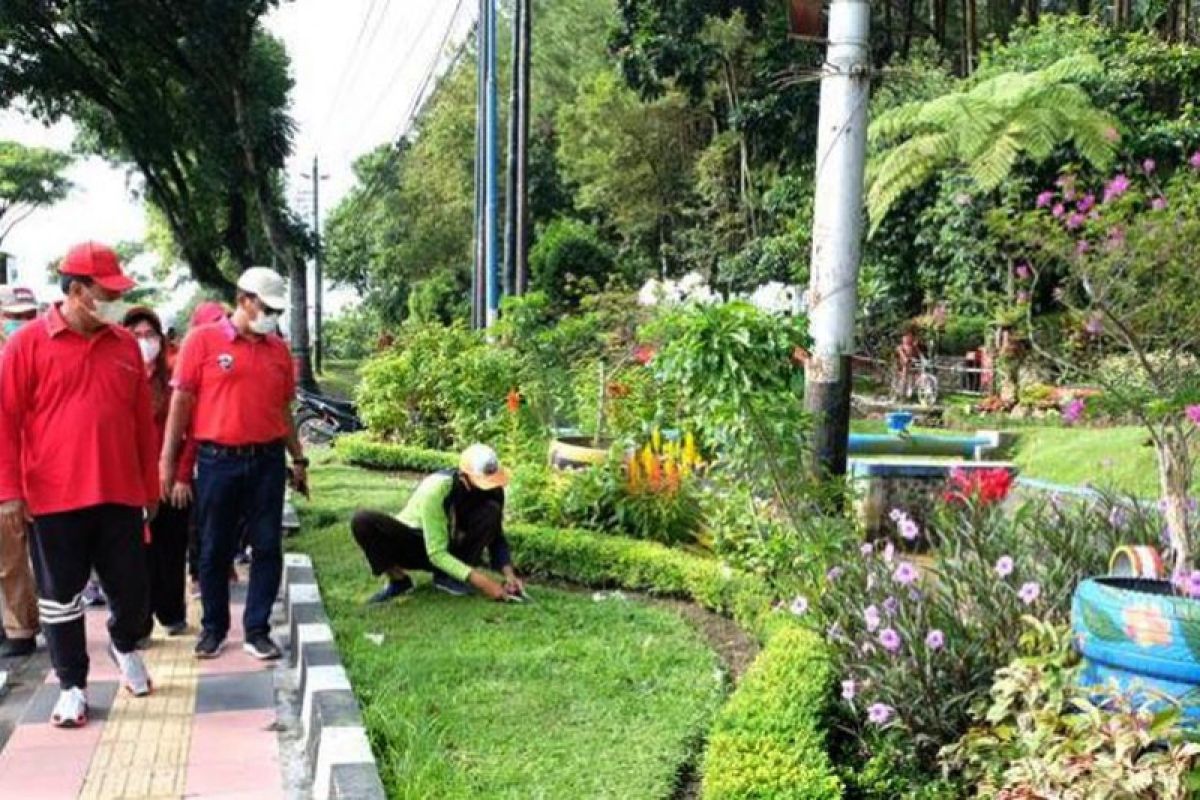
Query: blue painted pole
[(477, 268), (492, 166)]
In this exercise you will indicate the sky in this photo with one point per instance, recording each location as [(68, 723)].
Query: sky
[(357, 65)]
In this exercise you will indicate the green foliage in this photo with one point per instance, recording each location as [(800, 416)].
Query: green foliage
[(30, 177), (986, 128), (351, 335), (1041, 734), (569, 261), (768, 742), (363, 451)]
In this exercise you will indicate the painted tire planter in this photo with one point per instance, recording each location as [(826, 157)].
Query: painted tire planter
[(1136, 561), (1138, 631), (577, 452)]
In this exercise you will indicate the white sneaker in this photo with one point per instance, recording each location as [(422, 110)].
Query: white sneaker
[(71, 709), (133, 672)]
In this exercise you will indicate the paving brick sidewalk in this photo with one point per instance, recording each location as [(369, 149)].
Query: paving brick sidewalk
[(209, 729)]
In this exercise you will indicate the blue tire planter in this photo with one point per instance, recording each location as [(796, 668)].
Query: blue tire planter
[(1142, 634)]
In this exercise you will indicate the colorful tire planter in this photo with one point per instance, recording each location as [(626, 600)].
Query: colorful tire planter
[(1142, 634)]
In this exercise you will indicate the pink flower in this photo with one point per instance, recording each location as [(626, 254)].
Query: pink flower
[(890, 606), (1193, 584), (1193, 413), (1004, 566), (1158, 203), (1082, 247), (1086, 203), (1195, 160), (889, 640), (871, 616), (935, 639), (909, 529), (1074, 410), (905, 574), (1058, 210), (889, 552), (1022, 297), (879, 713), (1045, 198), (1029, 593), (833, 574), (849, 689), (1148, 166), (1075, 221), (1094, 326), (1022, 271), (1118, 186), (866, 549), (1116, 238)]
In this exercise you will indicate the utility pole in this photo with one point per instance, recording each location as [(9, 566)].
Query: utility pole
[(491, 173), (517, 199), (477, 274), (837, 229), (318, 277)]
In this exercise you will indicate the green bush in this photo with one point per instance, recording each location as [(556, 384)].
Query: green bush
[(569, 261), (362, 451), (963, 333), (768, 742)]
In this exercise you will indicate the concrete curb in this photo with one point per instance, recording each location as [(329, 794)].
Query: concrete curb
[(333, 738)]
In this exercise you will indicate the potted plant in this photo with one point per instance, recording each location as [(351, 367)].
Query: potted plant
[(1129, 251)]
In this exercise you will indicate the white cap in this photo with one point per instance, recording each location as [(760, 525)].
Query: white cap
[(15, 300), (482, 467), (265, 284)]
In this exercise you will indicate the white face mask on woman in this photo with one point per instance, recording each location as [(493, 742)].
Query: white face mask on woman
[(150, 348)]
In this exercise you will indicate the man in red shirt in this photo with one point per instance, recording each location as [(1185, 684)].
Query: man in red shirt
[(77, 459), (234, 388)]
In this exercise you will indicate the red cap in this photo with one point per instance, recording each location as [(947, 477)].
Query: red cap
[(207, 313), (98, 262)]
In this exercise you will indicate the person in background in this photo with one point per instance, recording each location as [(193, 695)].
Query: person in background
[(234, 387), (451, 518), (166, 552), (907, 352), (17, 594), (77, 459)]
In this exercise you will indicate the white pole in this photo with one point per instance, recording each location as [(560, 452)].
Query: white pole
[(837, 228)]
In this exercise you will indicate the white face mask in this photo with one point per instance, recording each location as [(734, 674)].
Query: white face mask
[(109, 311), (265, 324), (150, 349)]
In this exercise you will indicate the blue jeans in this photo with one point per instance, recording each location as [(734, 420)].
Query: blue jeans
[(232, 488)]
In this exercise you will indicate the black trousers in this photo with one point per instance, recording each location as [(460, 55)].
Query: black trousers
[(389, 543), (65, 548), (166, 558)]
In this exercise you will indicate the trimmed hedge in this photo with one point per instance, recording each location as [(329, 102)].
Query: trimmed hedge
[(361, 450), (768, 742)]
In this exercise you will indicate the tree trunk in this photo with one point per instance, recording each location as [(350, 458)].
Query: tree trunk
[(937, 20), (969, 35), (910, 23), (1033, 10), (1175, 477)]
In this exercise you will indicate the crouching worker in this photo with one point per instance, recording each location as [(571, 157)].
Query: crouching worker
[(451, 518)]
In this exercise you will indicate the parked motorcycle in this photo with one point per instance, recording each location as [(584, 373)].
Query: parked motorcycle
[(320, 419)]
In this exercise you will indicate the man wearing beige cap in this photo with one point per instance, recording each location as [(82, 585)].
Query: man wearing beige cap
[(448, 522), (18, 597)]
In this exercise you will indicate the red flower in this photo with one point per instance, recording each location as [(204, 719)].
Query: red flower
[(513, 401), (643, 354), (984, 486)]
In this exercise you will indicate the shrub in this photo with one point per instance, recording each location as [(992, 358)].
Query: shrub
[(962, 334), (569, 261), (359, 449), (768, 741)]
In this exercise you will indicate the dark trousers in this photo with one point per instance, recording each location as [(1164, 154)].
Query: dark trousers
[(231, 488), (65, 549), (388, 543), (166, 558)]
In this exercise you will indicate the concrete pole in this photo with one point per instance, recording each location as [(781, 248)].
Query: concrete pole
[(477, 272), (491, 175), (837, 229), (524, 99), (318, 311), (510, 195)]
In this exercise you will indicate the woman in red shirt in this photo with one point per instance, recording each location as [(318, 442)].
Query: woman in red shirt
[(166, 549)]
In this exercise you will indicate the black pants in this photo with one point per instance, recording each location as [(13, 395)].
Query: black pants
[(65, 549), (388, 543), (166, 557)]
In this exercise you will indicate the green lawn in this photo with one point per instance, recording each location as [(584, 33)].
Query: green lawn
[(562, 698), (339, 378)]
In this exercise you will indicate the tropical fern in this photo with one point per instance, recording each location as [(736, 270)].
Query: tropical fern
[(985, 129)]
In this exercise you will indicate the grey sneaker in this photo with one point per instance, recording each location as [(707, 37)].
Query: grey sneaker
[(133, 672), (71, 709)]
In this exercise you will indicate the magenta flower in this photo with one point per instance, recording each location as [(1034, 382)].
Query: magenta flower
[(1022, 297), (1118, 186), (879, 713), (799, 606), (1029, 593), (1022, 271), (1148, 166), (866, 549), (1158, 203), (895, 515), (1118, 517), (905, 574), (1116, 238), (833, 574), (891, 606), (849, 689), (1193, 584), (1045, 198), (1094, 325), (1004, 566), (935, 639), (1074, 410), (889, 552), (1086, 203), (1075, 221), (1193, 413), (889, 640), (1058, 210), (1082, 247), (1195, 160), (871, 616), (909, 529)]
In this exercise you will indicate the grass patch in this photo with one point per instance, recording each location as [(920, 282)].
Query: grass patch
[(339, 378), (565, 697)]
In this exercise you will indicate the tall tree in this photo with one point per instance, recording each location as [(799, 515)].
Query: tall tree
[(30, 177)]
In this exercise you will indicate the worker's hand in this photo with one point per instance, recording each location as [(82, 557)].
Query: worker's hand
[(181, 495), (14, 518), (495, 591), (514, 586)]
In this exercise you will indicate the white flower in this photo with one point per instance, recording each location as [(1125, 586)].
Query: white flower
[(691, 282), (650, 294)]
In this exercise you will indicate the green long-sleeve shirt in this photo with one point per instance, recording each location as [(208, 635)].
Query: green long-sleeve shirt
[(426, 510)]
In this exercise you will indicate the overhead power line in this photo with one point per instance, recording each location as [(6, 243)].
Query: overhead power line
[(352, 59)]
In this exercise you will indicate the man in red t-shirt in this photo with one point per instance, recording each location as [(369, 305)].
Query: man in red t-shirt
[(77, 457), (234, 389)]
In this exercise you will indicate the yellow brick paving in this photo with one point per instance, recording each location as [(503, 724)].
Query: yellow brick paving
[(143, 750)]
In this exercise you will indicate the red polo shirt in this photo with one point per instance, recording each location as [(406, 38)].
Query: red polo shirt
[(242, 385), (76, 424)]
